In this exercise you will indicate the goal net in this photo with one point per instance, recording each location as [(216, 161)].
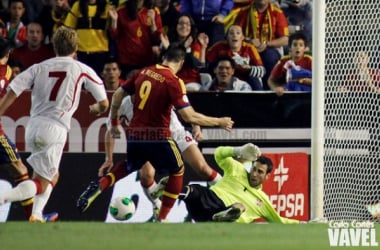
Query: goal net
[(351, 170)]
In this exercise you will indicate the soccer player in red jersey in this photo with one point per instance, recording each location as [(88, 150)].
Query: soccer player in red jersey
[(156, 90), (9, 156)]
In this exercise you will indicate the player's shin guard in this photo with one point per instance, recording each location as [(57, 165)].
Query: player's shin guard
[(27, 204), (118, 172), (170, 194)]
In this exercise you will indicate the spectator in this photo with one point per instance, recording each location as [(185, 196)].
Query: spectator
[(140, 27), (249, 66), (16, 67), (361, 77), (89, 18), (196, 45), (15, 30), (241, 3), (34, 51), (299, 15), (169, 15), (293, 71), (224, 77), (266, 27), (111, 74), (208, 16), (52, 16)]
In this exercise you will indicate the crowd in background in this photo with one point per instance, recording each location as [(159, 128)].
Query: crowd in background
[(231, 45)]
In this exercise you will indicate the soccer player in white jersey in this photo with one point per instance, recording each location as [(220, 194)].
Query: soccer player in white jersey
[(56, 85), (186, 143)]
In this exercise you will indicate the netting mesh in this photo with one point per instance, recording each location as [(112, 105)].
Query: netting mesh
[(352, 118)]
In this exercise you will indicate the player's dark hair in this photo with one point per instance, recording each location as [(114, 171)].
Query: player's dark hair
[(175, 53), (266, 161), (298, 36)]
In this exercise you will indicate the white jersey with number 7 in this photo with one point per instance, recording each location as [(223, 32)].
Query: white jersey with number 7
[(56, 87)]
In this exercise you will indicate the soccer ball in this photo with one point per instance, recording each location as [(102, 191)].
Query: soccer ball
[(122, 208)]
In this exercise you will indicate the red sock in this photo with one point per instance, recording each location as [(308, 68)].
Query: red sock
[(212, 176), (118, 172), (170, 195), (38, 186)]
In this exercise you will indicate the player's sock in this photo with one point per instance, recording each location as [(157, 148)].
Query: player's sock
[(214, 178), (28, 203), (22, 191), (170, 194), (117, 172), (147, 190), (40, 201)]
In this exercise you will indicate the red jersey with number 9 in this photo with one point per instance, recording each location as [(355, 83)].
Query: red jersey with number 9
[(156, 90)]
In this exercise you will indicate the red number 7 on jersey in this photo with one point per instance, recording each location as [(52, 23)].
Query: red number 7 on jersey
[(60, 75)]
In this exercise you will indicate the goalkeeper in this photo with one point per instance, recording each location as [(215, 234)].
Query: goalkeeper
[(238, 196)]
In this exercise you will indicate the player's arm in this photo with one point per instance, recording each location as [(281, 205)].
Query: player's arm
[(271, 215), (189, 115), (197, 132), (109, 145), (7, 101), (99, 107), (117, 98)]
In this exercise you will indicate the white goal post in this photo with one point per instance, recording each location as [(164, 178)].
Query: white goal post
[(345, 154)]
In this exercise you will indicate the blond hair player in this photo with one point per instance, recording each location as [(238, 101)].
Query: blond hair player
[(56, 88)]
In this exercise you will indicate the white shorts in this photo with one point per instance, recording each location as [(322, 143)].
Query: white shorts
[(184, 139), (45, 138)]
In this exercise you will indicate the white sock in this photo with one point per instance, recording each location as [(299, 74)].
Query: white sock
[(215, 180), (156, 202), (22, 191), (40, 202)]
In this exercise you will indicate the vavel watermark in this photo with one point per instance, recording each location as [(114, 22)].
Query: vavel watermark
[(351, 234)]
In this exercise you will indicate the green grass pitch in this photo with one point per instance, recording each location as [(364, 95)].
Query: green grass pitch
[(109, 236)]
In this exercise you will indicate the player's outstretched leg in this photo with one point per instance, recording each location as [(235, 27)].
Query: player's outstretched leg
[(95, 188), (88, 196)]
